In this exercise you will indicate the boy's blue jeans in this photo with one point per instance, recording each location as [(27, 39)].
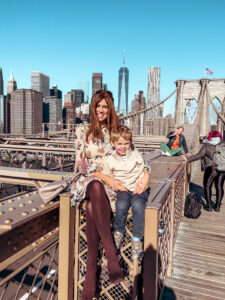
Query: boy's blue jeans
[(138, 204)]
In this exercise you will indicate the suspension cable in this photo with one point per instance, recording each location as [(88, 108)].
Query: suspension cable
[(147, 109)]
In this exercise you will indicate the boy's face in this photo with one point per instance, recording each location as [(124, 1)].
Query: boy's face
[(121, 145)]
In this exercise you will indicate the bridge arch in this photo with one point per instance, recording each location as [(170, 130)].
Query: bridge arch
[(213, 117), (204, 91), (191, 110)]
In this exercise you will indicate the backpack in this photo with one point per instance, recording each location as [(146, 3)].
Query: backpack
[(219, 158), (192, 208)]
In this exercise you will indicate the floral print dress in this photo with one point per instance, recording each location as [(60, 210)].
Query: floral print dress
[(89, 159)]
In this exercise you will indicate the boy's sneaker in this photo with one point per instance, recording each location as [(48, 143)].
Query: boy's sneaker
[(118, 237), (136, 248)]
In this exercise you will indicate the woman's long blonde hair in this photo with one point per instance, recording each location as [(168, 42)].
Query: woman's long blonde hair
[(112, 120)]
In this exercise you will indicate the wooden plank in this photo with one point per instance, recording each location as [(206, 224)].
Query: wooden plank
[(218, 286), (199, 255), (181, 292), (196, 287)]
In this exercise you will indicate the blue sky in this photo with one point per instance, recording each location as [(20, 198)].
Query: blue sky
[(69, 40)]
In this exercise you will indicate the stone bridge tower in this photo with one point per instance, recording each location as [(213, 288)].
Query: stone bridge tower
[(204, 91)]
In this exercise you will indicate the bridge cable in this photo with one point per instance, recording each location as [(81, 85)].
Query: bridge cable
[(220, 115), (148, 108)]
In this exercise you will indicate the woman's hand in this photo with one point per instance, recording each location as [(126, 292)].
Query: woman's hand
[(142, 184), (117, 186), (113, 183)]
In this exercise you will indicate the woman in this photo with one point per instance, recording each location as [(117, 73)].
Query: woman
[(211, 174), (97, 189)]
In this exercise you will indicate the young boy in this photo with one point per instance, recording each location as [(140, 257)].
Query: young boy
[(126, 165)]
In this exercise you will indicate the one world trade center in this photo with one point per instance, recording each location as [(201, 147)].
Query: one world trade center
[(123, 89)]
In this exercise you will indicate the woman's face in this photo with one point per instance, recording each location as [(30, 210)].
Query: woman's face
[(102, 111)]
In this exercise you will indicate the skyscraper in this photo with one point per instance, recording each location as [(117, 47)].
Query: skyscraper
[(139, 104), (123, 89), (26, 112), (11, 86), (96, 82), (2, 102), (2, 115), (78, 97), (40, 83), (69, 110), (56, 92), (84, 86), (1, 83), (153, 93), (52, 112), (104, 86)]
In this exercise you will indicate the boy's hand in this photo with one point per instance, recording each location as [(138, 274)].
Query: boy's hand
[(142, 184)]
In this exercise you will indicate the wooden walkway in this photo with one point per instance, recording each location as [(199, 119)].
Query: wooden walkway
[(199, 254)]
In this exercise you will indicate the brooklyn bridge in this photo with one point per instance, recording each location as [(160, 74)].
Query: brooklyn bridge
[(44, 245)]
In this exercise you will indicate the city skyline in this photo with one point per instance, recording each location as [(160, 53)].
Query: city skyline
[(175, 36)]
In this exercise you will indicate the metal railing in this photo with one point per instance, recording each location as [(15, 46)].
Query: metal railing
[(32, 269), (29, 248), (163, 213)]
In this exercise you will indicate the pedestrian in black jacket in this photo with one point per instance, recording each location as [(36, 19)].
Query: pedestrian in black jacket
[(211, 174)]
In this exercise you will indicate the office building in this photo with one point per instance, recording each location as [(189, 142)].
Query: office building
[(139, 102), (1, 83), (104, 86), (7, 113), (153, 93), (96, 82), (82, 112), (123, 87), (69, 110), (56, 92), (84, 86), (78, 97), (52, 112), (2, 113), (2, 103), (40, 83), (68, 98), (11, 85), (26, 112)]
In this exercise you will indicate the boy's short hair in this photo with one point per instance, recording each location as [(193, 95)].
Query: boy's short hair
[(120, 131), (180, 126)]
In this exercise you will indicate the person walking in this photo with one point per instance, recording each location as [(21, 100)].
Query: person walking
[(211, 175)]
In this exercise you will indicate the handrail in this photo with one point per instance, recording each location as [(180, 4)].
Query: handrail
[(163, 214)]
